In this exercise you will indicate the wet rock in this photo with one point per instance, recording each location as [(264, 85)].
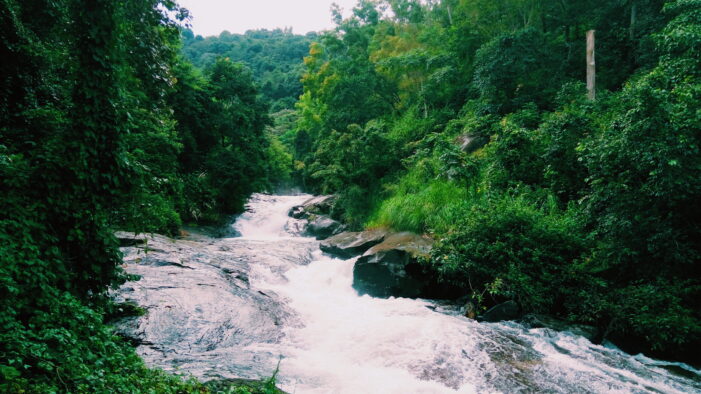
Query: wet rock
[(201, 309), (320, 205), (316, 211), (391, 268), (350, 244), (508, 310), (297, 212), (129, 239), (534, 320), (322, 227), (470, 310)]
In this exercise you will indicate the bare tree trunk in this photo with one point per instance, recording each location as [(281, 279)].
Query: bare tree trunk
[(633, 17), (591, 66)]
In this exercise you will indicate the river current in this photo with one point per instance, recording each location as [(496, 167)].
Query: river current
[(237, 307)]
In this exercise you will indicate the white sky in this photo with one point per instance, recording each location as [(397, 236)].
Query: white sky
[(211, 17)]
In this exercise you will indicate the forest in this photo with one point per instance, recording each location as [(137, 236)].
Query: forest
[(467, 120), (274, 58)]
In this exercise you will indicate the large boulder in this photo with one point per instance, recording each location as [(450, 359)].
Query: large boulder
[(508, 310), (392, 269), (322, 227), (349, 244), (320, 205)]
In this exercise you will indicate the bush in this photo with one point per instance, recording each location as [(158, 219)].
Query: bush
[(199, 199), (645, 167), (564, 133), (512, 249), (656, 317), (513, 158)]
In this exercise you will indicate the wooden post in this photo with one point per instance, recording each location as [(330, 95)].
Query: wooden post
[(591, 66)]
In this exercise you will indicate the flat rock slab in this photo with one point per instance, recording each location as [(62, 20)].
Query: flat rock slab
[(202, 312), (413, 244), (350, 244)]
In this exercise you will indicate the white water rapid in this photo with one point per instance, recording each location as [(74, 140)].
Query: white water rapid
[(330, 340)]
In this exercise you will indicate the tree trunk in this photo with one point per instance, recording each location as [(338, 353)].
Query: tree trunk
[(591, 66), (633, 17)]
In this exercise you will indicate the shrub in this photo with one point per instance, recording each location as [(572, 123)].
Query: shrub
[(511, 248)]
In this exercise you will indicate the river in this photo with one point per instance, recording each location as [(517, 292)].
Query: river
[(238, 306)]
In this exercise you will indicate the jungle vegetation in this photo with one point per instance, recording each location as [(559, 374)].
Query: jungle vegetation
[(470, 121), (464, 119)]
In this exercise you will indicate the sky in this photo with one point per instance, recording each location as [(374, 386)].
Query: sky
[(211, 17)]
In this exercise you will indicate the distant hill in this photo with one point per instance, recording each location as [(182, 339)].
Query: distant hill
[(274, 56)]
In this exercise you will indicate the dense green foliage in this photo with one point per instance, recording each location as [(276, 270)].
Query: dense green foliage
[(463, 119), (103, 126), (274, 57), (468, 120)]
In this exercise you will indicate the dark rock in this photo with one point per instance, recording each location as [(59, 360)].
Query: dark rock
[(392, 269), (533, 320), (508, 310), (127, 239), (128, 328), (297, 212), (323, 227), (350, 244), (320, 205)]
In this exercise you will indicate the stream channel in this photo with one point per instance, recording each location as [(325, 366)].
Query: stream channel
[(235, 307)]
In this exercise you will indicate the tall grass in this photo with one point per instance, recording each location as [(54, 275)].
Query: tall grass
[(420, 203)]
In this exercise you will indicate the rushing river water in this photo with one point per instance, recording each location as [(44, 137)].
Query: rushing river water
[(235, 307)]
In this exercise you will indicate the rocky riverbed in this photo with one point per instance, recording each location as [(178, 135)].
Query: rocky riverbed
[(234, 307)]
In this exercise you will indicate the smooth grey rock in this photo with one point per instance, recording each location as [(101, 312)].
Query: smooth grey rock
[(349, 244)]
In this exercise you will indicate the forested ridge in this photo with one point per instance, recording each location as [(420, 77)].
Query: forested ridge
[(274, 57), (465, 120)]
